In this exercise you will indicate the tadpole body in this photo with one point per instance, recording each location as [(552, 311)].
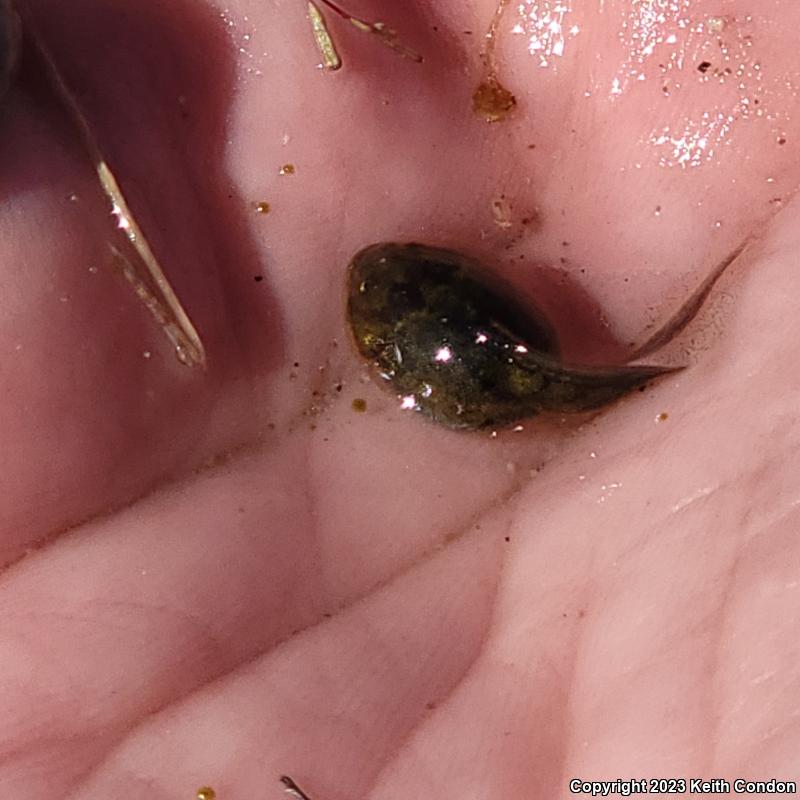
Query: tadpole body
[(10, 40), (463, 351)]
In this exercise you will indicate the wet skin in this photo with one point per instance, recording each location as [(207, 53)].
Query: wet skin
[(219, 578)]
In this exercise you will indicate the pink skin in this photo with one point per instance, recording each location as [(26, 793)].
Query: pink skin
[(381, 608)]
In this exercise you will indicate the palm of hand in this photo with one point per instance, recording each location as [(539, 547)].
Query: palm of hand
[(263, 581)]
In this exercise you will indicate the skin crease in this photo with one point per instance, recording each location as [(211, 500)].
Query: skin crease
[(376, 606)]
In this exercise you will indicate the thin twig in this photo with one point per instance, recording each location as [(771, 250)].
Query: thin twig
[(386, 35), (330, 57), (162, 301)]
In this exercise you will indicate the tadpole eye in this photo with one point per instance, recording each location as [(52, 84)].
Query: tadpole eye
[(10, 41)]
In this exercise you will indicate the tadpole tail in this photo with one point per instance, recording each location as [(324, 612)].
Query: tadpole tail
[(575, 389), (688, 311), (588, 388)]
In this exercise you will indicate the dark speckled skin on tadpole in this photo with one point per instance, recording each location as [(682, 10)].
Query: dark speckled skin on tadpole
[(462, 352), (9, 45)]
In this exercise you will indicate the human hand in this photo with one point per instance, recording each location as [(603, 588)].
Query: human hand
[(219, 577)]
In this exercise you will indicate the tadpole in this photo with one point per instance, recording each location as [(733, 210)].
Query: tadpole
[(465, 352)]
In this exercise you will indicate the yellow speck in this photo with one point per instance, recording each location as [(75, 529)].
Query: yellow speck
[(206, 793), (286, 169), (262, 207), (359, 405)]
